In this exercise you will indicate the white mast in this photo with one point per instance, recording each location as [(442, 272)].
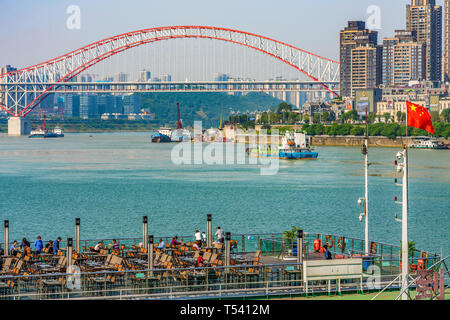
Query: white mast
[(366, 197), (405, 226)]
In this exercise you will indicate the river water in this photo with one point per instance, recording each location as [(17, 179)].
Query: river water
[(110, 180)]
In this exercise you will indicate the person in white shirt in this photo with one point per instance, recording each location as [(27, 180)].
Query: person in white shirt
[(204, 237), (198, 236), (161, 244), (98, 246), (220, 235)]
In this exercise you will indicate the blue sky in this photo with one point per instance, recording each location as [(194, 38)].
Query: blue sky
[(33, 31)]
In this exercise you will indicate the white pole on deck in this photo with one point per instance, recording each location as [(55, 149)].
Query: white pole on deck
[(405, 226)]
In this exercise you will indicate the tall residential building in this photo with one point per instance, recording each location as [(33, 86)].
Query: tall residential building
[(166, 78), (365, 67), (121, 77), (72, 105), (144, 75), (388, 60), (132, 103), (447, 42), (408, 62), (403, 59), (105, 104), (425, 17), (88, 106), (347, 43)]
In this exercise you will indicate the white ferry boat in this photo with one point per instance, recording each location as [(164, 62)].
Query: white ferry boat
[(426, 143)]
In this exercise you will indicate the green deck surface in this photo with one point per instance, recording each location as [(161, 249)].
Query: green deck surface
[(387, 295)]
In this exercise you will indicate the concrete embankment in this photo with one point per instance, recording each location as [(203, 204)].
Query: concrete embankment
[(358, 140), (349, 141)]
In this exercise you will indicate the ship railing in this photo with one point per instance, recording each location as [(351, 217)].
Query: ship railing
[(436, 266), (231, 281), (274, 243)]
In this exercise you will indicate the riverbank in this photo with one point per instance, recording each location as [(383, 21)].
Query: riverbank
[(341, 141), (375, 141)]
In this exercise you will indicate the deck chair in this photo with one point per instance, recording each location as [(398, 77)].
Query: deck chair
[(7, 265), (207, 256), (18, 266), (196, 254), (212, 258), (156, 257), (108, 259)]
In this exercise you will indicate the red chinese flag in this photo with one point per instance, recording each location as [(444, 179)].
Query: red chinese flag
[(418, 117)]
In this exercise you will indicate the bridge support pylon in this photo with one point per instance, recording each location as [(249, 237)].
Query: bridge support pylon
[(18, 126)]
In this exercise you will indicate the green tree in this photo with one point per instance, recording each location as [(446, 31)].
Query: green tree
[(390, 130), (387, 117), (375, 129), (434, 116), (357, 131), (306, 118), (290, 236), (316, 118), (284, 107), (371, 117), (445, 115)]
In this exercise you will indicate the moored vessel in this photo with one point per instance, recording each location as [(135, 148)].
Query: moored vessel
[(42, 132), (293, 147), (164, 134), (427, 143)]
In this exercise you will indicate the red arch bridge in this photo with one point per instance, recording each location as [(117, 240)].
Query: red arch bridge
[(22, 90)]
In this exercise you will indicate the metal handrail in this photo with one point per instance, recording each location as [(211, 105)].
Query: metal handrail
[(412, 282)]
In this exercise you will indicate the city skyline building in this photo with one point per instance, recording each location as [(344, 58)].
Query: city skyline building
[(72, 105), (348, 42), (446, 53), (121, 77), (365, 67), (403, 59), (144, 75), (88, 106), (425, 17)]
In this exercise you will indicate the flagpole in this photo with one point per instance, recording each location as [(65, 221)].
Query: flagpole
[(366, 193), (405, 252)]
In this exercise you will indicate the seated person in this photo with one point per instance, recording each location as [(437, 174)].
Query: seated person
[(13, 250), (161, 244), (24, 243), (175, 241), (197, 245), (115, 245), (98, 247), (200, 260), (327, 252), (49, 247), (27, 251)]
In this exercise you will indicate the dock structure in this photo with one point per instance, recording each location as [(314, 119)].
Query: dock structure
[(242, 265)]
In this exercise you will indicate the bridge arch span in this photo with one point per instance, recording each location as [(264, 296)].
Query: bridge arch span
[(67, 66)]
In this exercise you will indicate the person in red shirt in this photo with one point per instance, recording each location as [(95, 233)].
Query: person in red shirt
[(175, 241), (200, 260)]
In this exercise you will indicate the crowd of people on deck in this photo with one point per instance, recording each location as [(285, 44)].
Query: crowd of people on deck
[(52, 247)]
